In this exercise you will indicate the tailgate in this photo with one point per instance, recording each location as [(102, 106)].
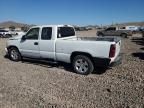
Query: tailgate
[(117, 41), (118, 47)]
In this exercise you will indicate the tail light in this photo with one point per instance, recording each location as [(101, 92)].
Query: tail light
[(112, 51)]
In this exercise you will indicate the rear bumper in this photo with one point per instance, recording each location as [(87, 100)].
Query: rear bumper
[(101, 62), (117, 61), (106, 62)]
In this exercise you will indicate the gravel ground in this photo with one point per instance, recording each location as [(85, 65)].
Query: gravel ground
[(34, 84)]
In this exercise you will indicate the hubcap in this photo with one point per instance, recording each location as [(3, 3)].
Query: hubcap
[(14, 54), (81, 65)]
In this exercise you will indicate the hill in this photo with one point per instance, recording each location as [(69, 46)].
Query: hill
[(8, 24)]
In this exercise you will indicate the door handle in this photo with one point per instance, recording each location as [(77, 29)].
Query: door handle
[(35, 43)]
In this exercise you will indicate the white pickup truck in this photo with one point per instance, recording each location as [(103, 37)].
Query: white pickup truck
[(59, 43)]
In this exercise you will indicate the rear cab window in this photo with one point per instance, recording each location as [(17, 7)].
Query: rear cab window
[(65, 32)]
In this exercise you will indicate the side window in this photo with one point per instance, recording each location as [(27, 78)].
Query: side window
[(46, 33), (123, 28), (108, 29), (114, 28), (65, 32), (111, 29), (33, 34)]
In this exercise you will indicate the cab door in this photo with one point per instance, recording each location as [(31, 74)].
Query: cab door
[(29, 44), (47, 44)]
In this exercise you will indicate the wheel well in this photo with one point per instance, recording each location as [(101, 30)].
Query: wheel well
[(12, 47), (81, 53)]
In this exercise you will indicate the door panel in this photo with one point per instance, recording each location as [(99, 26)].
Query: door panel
[(29, 49), (47, 49), (46, 44), (29, 45)]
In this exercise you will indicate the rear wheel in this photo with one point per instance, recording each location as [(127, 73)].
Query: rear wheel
[(83, 65), (14, 54)]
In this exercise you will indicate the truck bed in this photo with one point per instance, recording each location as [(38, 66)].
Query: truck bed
[(107, 38)]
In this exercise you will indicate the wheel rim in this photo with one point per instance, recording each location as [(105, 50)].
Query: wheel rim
[(81, 65), (14, 54)]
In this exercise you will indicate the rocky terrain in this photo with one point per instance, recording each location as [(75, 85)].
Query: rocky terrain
[(35, 84)]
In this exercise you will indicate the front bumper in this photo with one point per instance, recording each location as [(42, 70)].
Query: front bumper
[(6, 51)]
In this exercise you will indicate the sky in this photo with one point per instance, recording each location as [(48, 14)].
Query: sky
[(75, 12)]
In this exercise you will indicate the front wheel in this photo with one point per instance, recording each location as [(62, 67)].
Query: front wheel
[(14, 54), (83, 65)]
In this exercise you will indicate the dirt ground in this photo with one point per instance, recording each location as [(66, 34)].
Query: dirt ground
[(34, 84)]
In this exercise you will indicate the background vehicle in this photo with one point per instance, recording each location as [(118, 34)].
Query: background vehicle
[(17, 33), (59, 43), (142, 29), (5, 34), (134, 29), (131, 28), (82, 29), (114, 31)]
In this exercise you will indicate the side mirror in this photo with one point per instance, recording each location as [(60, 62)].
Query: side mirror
[(23, 37)]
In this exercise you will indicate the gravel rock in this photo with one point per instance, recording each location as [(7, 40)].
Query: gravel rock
[(34, 84)]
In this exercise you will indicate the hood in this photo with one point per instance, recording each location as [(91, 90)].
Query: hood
[(16, 37)]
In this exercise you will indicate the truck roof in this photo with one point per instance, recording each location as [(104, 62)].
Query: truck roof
[(62, 25)]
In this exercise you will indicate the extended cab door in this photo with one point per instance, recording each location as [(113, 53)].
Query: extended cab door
[(47, 44), (29, 46)]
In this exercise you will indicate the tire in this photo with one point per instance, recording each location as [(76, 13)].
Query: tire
[(124, 35), (14, 54), (82, 65)]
